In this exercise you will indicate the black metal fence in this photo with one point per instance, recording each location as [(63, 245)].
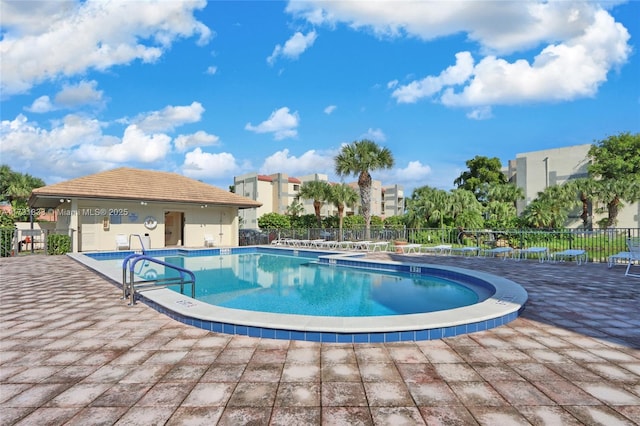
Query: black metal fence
[(599, 244)]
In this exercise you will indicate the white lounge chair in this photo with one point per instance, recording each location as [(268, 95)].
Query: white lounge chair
[(466, 251), (580, 256), (633, 244), (541, 252), (378, 245), (439, 249), (504, 252), (122, 242), (408, 248), (621, 258), (208, 240)]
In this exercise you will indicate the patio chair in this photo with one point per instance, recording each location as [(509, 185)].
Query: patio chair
[(633, 244), (580, 256), (408, 248), (439, 249), (466, 251), (122, 242), (208, 240), (621, 258), (504, 252), (541, 252)]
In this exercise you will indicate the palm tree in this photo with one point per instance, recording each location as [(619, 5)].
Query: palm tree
[(319, 192), (19, 187), (295, 209), (586, 189), (465, 209), (550, 209), (359, 159), (342, 196)]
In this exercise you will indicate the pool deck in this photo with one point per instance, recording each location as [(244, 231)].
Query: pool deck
[(72, 352)]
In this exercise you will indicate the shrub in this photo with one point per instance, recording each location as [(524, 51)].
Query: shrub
[(58, 244)]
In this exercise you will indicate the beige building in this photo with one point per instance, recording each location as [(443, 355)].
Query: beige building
[(278, 191), (534, 171), (158, 209)]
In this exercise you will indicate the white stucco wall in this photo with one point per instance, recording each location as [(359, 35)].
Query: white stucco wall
[(97, 222)]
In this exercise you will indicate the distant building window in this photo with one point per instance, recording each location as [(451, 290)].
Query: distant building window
[(296, 187)]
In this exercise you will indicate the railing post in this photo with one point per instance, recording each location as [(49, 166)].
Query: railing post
[(132, 294)]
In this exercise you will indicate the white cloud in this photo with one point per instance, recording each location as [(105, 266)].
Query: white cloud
[(43, 42), (407, 176), (453, 75), (481, 113), (211, 70), (392, 84), (293, 47), (281, 123), (41, 105), (309, 162), (199, 138), (561, 72), (579, 43), (82, 93), (203, 165), (328, 110), (76, 144), (169, 117), (71, 96), (376, 135), (136, 145)]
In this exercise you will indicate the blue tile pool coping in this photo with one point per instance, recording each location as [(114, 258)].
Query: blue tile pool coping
[(503, 301)]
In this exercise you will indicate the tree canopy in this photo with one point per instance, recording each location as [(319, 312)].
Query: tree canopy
[(15, 186), (615, 165), (360, 158), (482, 172), (319, 192)]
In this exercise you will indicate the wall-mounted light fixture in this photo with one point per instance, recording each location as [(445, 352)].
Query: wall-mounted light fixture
[(143, 203), (202, 206)]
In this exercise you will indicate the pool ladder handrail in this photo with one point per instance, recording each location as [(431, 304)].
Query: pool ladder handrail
[(130, 287), (144, 251)]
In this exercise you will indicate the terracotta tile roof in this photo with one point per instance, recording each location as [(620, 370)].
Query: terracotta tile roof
[(135, 184)]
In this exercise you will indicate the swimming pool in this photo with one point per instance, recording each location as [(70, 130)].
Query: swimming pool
[(499, 302), (300, 285)]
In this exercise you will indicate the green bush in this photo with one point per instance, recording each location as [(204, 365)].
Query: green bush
[(58, 244), (6, 238)]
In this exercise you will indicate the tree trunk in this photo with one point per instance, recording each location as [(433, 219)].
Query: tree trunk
[(340, 221), (585, 211), (316, 207), (612, 209), (364, 182)]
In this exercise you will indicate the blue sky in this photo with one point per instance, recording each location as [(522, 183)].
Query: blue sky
[(214, 90)]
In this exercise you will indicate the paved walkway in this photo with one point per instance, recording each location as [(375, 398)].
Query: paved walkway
[(72, 352)]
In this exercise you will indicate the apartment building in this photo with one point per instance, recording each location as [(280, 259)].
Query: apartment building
[(534, 171), (278, 191)]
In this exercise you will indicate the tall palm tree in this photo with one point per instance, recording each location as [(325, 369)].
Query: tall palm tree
[(342, 196), (319, 192), (587, 189), (359, 159)]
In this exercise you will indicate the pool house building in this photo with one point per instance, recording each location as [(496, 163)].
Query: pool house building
[(157, 209)]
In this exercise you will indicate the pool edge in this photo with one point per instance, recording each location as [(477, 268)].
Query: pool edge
[(504, 306)]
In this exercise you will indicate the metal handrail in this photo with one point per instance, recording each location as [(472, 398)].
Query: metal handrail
[(129, 263), (141, 243)]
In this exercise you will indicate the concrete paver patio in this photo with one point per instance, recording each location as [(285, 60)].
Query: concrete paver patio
[(72, 352)]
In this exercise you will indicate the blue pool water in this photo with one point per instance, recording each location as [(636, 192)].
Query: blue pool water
[(298, 285)]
